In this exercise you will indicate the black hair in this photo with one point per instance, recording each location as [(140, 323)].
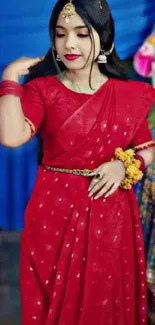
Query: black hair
[(96, 14)]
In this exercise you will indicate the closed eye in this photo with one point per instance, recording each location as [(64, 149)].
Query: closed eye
[(79, 35), (83, 35), (60, 35)]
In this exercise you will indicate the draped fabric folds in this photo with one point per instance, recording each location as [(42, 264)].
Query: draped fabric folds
[(82, 260)]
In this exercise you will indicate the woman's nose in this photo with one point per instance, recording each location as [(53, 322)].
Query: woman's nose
[(70, 43)]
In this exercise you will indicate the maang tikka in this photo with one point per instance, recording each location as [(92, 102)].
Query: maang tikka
[(68, 11)]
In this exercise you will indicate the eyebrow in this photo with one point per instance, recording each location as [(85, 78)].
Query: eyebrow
[(77, 27)]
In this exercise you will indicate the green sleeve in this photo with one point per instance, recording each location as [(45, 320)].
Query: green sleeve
[(151, 117)]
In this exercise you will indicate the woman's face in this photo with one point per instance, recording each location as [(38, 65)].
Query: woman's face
[(73, 43)]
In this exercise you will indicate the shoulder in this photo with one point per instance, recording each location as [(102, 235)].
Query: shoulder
[(136, 95), (42, 84), (135, 88)]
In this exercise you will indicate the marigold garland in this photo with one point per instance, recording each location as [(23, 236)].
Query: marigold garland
[(133, 174)]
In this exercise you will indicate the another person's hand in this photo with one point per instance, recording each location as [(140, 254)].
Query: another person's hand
[(19, 68), (107, 179)]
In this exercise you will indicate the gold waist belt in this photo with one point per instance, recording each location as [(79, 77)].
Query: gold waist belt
[(82, 172)]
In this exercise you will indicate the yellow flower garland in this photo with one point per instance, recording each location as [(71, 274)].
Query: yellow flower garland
[(132, 165)]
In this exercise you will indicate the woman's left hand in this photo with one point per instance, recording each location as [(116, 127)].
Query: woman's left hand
[(107, 179)]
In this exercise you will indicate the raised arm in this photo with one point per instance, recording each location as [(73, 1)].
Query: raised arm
[(14, 129)]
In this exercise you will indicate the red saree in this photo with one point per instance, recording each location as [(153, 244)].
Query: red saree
[(82, 261)]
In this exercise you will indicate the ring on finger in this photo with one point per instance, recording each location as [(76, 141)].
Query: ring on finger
[(98, 176)]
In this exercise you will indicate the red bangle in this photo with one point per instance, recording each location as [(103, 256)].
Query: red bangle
[(144, 146), (142, 161), (9, 87), (31, 127)]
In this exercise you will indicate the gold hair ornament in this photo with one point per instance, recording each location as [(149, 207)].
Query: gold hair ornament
[(68, 11)]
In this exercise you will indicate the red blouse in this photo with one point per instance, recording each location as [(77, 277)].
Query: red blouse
[(50, 105)]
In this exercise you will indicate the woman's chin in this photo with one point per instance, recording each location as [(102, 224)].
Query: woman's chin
[(73, 65)]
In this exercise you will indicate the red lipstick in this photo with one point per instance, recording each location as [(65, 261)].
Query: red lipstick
[(72, 57)]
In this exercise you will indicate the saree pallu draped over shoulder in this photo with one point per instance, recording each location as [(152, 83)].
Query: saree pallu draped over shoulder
[(82, 261)]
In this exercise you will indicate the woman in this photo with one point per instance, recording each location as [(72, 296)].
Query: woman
[(82, 254)]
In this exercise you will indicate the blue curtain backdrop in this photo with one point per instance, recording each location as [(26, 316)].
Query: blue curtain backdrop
[(24, 32), (134, 21)]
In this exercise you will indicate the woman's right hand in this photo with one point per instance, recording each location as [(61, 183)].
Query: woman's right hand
[(19, 68)]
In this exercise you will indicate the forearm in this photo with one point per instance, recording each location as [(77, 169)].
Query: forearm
[(14, 131), (13, 127)]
